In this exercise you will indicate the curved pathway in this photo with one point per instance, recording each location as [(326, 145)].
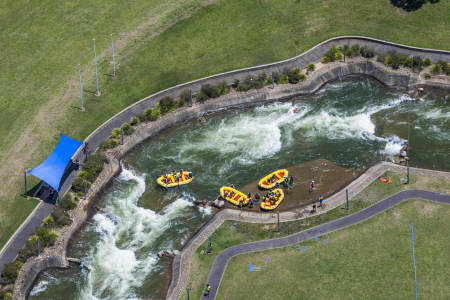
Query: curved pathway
[(218, 269)]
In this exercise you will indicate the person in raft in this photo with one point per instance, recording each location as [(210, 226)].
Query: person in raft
[(320, 200), (277, 185), (191, 174), (286, 181)]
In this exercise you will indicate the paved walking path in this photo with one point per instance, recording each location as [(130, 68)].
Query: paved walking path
[(218, 269), (20, 237)]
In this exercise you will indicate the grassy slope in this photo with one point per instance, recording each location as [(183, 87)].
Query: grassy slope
[(369, 261), (235, 233), (46, 40)]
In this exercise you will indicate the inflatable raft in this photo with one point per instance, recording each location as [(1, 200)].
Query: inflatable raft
[(279, 175), (236, 198), (266, 205), (172, 179)]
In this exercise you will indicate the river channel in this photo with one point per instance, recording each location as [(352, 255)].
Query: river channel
[(353, 123)]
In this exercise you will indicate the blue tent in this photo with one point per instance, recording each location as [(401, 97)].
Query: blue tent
[(52, 169)]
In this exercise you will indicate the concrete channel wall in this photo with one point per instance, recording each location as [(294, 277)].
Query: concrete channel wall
[(55, 257)]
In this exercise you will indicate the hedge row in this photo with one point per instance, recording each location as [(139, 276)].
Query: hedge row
[(392, 59)]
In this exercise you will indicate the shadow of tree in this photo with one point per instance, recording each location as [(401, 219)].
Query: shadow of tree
[(411, 5)]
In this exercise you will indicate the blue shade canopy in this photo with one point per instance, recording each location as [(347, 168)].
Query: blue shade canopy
[(52, 169)]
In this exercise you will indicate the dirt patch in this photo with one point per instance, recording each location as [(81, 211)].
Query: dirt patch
[(329, 178), (209, 2), (397, 215), (428, 208), (315, 23)]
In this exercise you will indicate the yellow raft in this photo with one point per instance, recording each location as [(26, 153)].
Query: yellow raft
[(172, 180), (279, 175), (237, 197), (266, 205)]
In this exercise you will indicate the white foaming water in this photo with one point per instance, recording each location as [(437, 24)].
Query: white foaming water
[(251, 137), (116, 269), (39, 288)]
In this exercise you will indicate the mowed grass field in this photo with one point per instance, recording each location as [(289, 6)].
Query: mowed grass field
[(234, 233), (370, 260), (160, 44)]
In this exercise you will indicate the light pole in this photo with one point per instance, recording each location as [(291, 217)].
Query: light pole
[(81, 88), (114, 62), (97, 92)]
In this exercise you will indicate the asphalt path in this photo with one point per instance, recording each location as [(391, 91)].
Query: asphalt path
[(20, 237), (220, 264)]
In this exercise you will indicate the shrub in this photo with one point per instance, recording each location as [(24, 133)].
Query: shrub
[(408, 62), (181, 102), (156, 112), (276, 77), (436, 69), (166, 104), (381, 57), (257, 84), (134, 121), (311, 67), (427, 75), (111, 143), (235, 83), (338, 56), (366, 52), (293, 76), (46, 237), (77, 185), (302, 77), (331, 54), (48, 221), (10, 272), (201, 97), (8, 296), (185, 95), (94, 165), (127, 129), (325, 60), (269, 80), (445, 68), (28, 250), (340, 48), (388, 61), (223, 88), (61, 217), (355, 50), (141, 117), (284, 79), (210, 91), (417, 61), (116, 133), (244, 86), (67, 203), (427, 62), (148, 114), (349, 52)]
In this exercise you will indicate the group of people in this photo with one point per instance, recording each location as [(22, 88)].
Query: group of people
[(319, 201), (177, 176), (271, 197)]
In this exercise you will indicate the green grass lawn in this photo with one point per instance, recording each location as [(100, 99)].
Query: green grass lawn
[(371, 260), (43, 41), (234, 233)]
